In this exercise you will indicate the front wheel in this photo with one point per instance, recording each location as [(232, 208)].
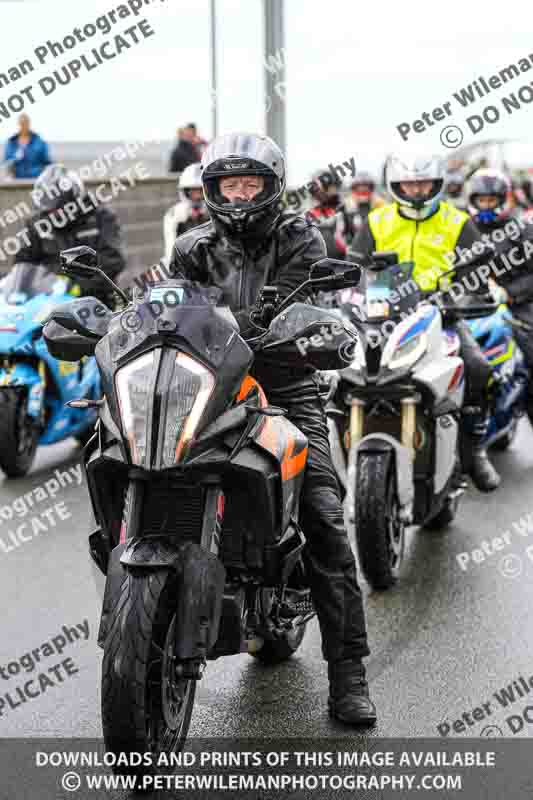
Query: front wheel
[(379, 531), (145, 706), (19, 434)]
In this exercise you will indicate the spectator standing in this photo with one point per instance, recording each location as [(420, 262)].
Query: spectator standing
[(197, 141), (185, 152), (26, 152)]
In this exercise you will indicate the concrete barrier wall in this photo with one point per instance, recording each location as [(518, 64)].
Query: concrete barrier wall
[(140, 209)]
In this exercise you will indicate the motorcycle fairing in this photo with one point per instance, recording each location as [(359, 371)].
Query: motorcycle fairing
[(424, 317), (32, 293), (287, 444), (509, 372)]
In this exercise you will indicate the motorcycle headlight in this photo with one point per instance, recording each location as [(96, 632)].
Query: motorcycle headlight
[(407, 354), (133, 383), (187, 393), (189, 390)]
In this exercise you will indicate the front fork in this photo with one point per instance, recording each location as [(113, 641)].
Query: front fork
[(407, 425), (357, 420)]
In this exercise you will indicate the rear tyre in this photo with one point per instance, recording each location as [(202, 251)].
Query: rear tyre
[(379, 532), (145, 707), (288, 639), (19, 434), (275, 651)]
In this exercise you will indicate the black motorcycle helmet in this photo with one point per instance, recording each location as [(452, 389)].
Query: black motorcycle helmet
[(487, 182), (244, 154), (325, 188), (55, 187)]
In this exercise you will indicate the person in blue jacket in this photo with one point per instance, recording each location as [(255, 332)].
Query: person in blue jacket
[(27, 153)]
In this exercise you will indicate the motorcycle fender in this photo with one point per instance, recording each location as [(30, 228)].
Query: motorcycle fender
[(199, 602), (199, 596), (446, 439), (115, 576), (383, 443)]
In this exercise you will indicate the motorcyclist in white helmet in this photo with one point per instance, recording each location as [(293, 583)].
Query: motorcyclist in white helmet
[(455, 184), (421, 227), (189, 211)]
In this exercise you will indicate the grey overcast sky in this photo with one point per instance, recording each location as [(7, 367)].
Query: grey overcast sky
[(354, 72)]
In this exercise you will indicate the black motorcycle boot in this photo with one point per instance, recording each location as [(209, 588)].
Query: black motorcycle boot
[(474, 457), (349, 699), (483, 473)]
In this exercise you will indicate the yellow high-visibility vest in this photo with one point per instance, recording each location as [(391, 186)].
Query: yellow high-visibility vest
[(427, 242)]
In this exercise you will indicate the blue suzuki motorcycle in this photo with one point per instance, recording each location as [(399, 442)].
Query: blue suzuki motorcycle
[(34, 387), (508, 385)]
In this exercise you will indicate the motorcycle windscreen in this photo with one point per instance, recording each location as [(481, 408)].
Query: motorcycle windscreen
[(183, 314), (388, 293)]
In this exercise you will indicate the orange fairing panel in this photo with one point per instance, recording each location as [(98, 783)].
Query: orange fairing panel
[(279, 441), (247, 386), (292, 464)]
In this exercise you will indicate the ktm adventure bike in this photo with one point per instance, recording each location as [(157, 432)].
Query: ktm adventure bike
[(185, 437)]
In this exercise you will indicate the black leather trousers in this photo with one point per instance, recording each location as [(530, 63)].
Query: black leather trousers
[(328, 557), (524, 313)]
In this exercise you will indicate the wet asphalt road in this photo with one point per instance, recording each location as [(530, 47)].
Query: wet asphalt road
[(443, 640)]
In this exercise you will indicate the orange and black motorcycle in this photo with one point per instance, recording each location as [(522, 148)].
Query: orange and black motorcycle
[(195, 484)]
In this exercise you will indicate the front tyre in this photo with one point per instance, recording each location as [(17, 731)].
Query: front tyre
[(19, 434), (145, 707), (379, 531)]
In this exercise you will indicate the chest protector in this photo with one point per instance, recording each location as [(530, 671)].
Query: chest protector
[(430, 242)]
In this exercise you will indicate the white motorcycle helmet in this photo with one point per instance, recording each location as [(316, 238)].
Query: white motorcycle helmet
[(403, 168), (190, 178)]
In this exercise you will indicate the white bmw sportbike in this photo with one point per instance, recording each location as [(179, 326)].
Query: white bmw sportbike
[(394, 417)]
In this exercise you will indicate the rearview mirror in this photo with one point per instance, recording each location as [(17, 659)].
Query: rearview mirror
[(79, 262), (326, 267), (383, 260), (82, 262), (339, 280)]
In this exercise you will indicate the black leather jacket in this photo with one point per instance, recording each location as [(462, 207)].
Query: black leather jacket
[(98, 229), (283, 260), (514, 258)]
